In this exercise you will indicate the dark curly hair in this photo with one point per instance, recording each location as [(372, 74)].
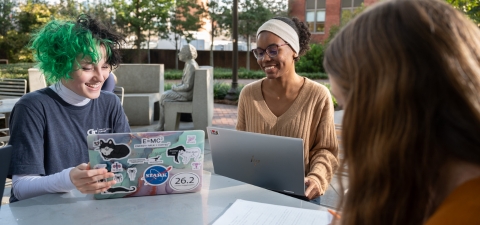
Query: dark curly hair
[(57, 45), (302, 32)]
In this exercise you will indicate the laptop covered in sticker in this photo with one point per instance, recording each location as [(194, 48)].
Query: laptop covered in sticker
[(268, 161), (149, 163)]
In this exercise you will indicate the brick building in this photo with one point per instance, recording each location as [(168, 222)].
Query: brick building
[(322, 14)]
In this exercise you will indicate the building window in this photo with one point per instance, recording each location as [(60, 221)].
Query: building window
[(315, 15), (351, 5)]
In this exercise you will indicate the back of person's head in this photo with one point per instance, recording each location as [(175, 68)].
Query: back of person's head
[(58, 45), (409, 72), (295, 26)]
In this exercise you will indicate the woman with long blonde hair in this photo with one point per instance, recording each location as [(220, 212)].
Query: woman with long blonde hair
[(408, 75)]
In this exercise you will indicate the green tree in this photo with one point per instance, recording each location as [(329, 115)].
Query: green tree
[(217, 15), (142, 18), (186, 17), (252, 14), (68, 9), (6, 16), (32, 16), (470, 7)]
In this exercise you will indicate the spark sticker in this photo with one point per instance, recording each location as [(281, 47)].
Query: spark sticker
[(191, 139), (132, 172), (117, 167), (156, 175)]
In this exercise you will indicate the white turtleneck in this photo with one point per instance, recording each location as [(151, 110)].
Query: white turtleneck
[(68, 95), (31, 185)]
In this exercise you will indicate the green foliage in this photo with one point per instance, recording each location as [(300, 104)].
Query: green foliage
[(30, 18), (335, 103), (220, 90), (142, 18), (224, 73), (471, 8), (17, 70), (312, 61), (6, 21)]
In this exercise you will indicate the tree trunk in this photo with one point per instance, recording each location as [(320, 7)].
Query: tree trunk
[(148, 47), (211, 46), (248, 52), (176, 52)]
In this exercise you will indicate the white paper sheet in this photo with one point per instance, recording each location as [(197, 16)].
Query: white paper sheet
[(246, 212)]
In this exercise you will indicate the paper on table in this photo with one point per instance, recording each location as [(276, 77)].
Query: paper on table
[(246, 212)]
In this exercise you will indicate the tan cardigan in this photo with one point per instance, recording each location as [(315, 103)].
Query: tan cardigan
[(310, 118)]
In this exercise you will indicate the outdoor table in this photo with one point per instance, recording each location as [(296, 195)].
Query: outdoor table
[(204, 207), (6, 106)]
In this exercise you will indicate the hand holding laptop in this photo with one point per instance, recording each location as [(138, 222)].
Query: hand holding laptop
[(86, 179), (312, 189)]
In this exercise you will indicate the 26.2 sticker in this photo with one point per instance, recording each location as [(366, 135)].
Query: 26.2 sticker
[(184, 181)]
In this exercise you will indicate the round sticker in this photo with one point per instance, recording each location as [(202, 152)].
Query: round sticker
[(156, 175), (184, 181)]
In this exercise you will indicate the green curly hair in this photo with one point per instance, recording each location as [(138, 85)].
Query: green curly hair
[(59, 44)]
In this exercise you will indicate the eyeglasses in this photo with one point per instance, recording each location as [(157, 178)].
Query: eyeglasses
[(271, 50)]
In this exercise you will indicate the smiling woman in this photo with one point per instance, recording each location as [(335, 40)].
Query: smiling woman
[(77, 56), (287, 104)]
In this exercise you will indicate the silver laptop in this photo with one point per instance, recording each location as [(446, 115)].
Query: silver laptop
[(268, 161)]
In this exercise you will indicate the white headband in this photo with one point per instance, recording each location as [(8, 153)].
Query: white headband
[(283, 30)]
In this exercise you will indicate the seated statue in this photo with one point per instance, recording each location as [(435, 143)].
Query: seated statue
[(184, 90)]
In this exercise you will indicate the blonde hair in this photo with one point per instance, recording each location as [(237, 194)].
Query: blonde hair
[(410, 74)]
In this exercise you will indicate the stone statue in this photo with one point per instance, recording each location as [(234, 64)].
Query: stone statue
[(184, 90)]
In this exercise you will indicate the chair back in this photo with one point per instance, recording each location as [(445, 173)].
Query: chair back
[(119, 91), (36, 80), (203, 94), (5, 157), (12, 88)]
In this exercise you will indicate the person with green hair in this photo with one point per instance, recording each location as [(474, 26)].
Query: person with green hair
[(49, 126)]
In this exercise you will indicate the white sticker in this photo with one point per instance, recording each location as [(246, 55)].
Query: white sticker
[(136, 161), (117, 167), (191, 139), (184, 181), (196, 165), (155, 160), (118, 177), (100, 166), (132, 172)]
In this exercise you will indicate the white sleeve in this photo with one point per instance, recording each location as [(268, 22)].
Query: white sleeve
[(32, 185)]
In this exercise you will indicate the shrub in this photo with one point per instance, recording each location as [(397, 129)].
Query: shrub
[(335, 103), (220, 90), (312, 62)]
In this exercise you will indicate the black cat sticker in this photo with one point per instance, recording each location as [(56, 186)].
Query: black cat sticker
[(116, 190), (109, 150)]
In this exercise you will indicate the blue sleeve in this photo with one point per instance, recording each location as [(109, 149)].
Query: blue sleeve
[(27, 138), (109, 83)]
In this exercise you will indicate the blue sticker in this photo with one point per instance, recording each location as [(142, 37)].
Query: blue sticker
[(156, 175)]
